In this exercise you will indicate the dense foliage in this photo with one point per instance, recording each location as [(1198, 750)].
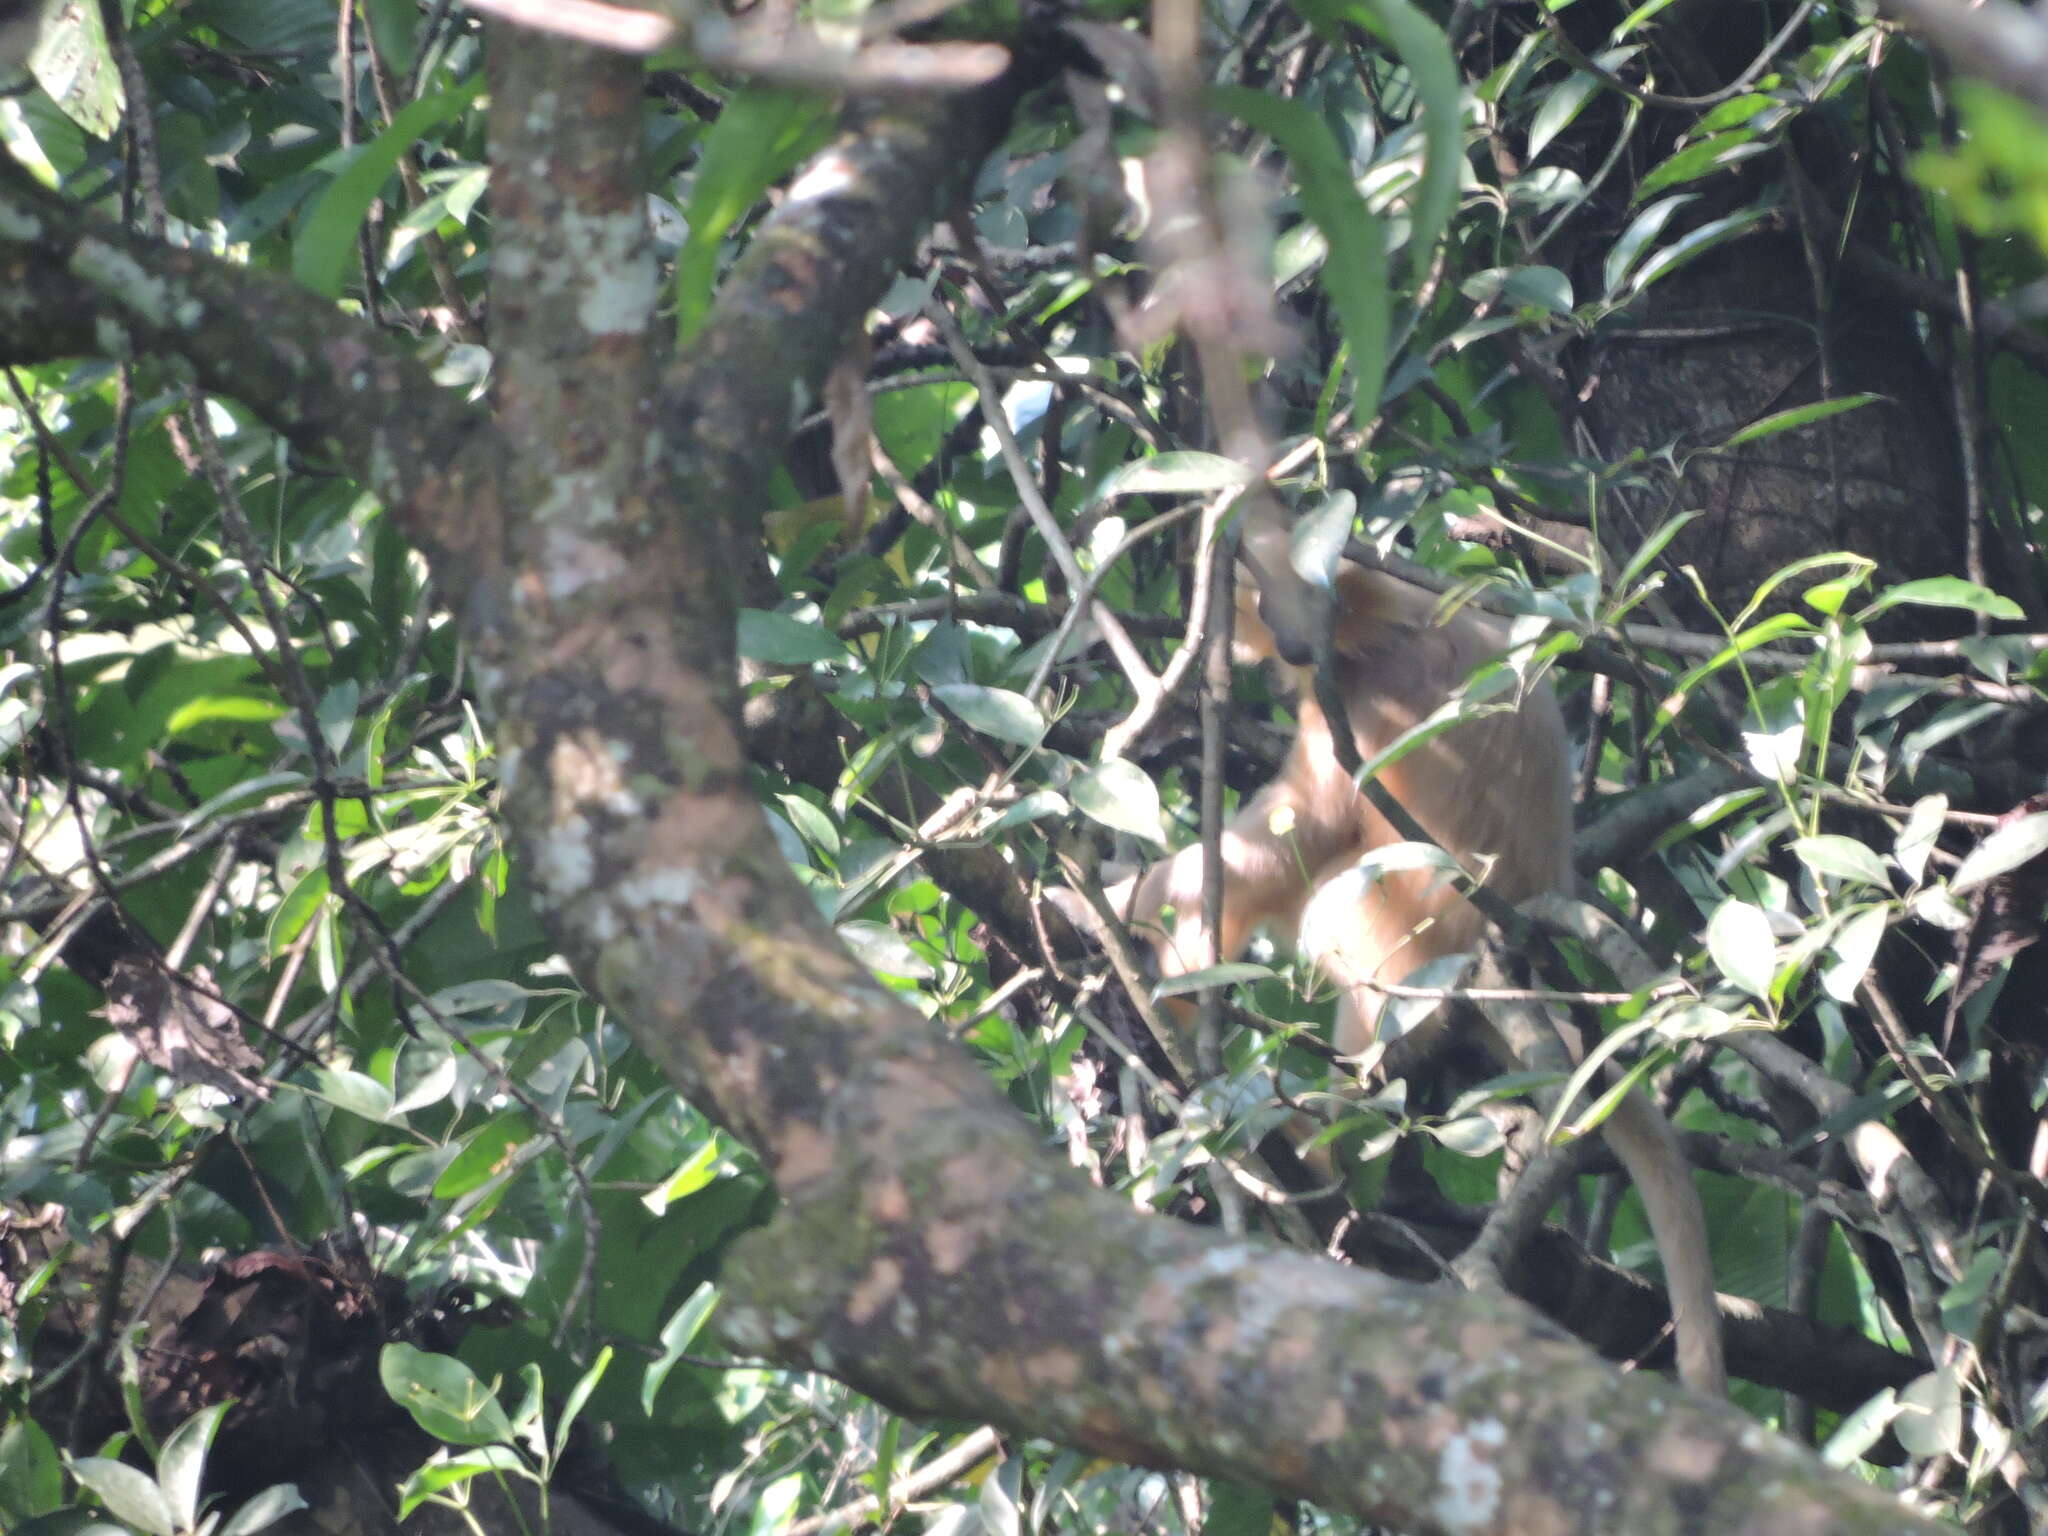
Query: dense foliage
[(1701, 340)]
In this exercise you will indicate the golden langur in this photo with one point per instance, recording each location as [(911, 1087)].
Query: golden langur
[(1494, 792)]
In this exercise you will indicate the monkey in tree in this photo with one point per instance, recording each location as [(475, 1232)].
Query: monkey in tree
[(1494, 792)]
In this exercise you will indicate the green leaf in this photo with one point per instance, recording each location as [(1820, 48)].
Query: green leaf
[(1842, 857), (130, 1496), (1693, 243), (994, 712), (2007, 848), (1470, 1136), (784, 641), (1542, 288), (1121, 795), (1651, 548), (885, 951), (31, 1474), (488, 1152), (1716, 152), (1427, 53), (326, 242), (579, 1394), (1036, 806), (1228, 974), (453, 1471), (1797, 416), (1739, 940), (443, 1396), (1861, 1429), (1930, 1421), (1854, 945), (677, 1334), (1631, 242), (181, 1464), (1238, 1509), (1185, 473), (264, 1510), (759, 137), (1917, 837), (1946, 592), (1560, 106), (245, 708), (1354, 274), (352, 1091), (73, 63)]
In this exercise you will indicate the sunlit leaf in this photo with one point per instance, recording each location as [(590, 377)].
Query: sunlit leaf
[(2007, 848)]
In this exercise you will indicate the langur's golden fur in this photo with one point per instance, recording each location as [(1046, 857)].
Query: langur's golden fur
[(1495, 792)]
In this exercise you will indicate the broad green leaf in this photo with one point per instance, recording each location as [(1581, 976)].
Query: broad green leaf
[(1238, 1509), (1946, 592), (759, 137), (2005, 849), (443, 1396), (487, 1152), (1228, 974), (1694, 243), (248, 709), (326, 242), (1354, 274), (994, 712), (1427, 54), (776, 1504), (352, 1091), (181, 1464), (1842, 857), (1861, 1429), (1559, 106), (31, 1473), (1917, 837), (301, 904), (1740, 943), (1122, 795), (1036, 806), (1854, 945), (1471, 1136), (885, 951), (1000, 1490), (1632, 241), (1316, 547), (73, 63), (264, 1510), (1183, 473), (818, 828), (783, 641), (1716, 152), (677, 1334), (579, 1394), (1797, 416), (697, 1172), (1543, 288), (430, 1087), (1962, 1304), (1651, 548), (131, 1496), (453, 1471), (1930, 1421)]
